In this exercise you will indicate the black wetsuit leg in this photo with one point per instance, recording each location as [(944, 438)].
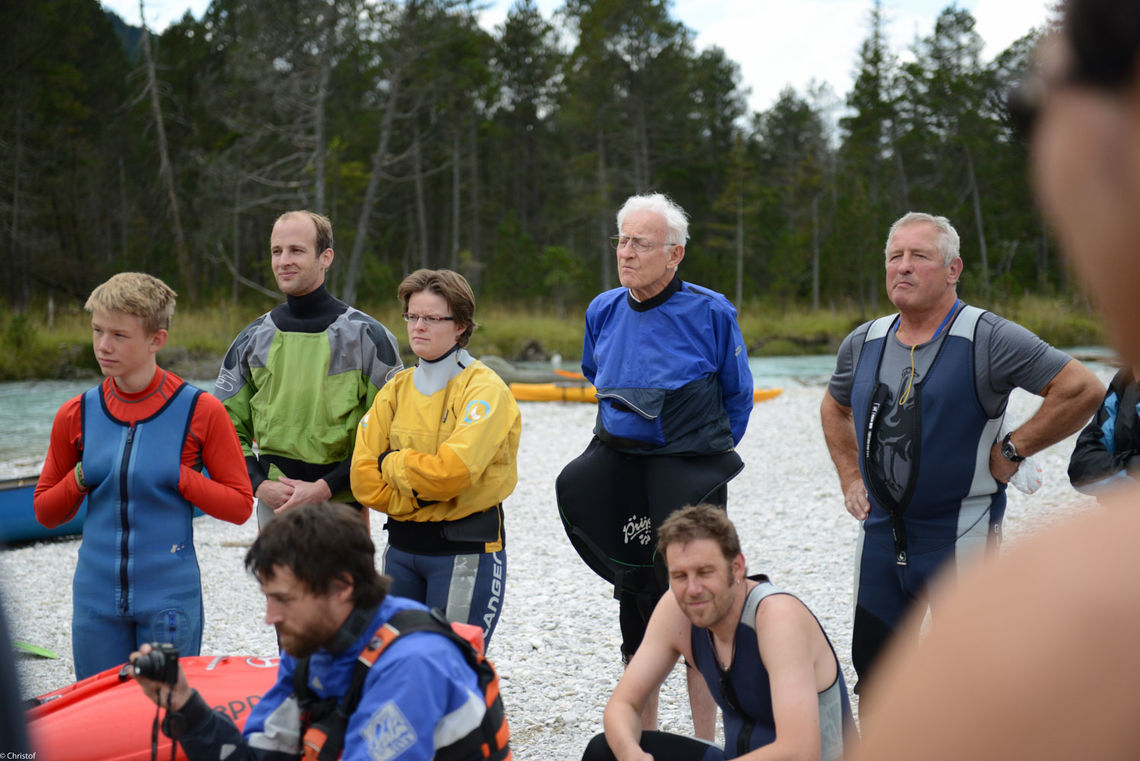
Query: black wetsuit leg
[(661, 745)]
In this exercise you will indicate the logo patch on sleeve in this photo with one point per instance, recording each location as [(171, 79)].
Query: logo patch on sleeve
[(477, 409), (388, 733)]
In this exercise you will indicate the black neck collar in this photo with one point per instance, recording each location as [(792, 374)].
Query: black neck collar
[(353, 628), (312, 304), (656, 301)]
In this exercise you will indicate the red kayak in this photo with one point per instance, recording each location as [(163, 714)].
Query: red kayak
[(108, 718)]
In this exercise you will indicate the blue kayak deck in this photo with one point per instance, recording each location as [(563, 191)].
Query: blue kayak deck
[(18, 519)]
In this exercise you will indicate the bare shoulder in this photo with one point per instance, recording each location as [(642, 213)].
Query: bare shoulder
[(783, 609), (671, 626), (785, 626)]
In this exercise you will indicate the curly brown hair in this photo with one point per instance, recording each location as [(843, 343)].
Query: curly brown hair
[(320, 543)]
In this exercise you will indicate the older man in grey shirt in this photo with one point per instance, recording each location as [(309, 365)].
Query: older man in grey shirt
[(911, 419)]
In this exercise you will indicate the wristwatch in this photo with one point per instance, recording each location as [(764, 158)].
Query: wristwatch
[(1008, 450)]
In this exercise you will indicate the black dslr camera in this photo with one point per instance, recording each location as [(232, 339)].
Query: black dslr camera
[(160, 664)]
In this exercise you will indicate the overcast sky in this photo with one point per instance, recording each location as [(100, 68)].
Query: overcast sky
[(776, 42)]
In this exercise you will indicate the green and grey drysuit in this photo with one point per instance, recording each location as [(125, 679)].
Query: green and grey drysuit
[(297, 380)]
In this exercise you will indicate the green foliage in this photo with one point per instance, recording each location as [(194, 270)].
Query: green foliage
[(432, 142), (19, 333), (1061, 323), (540, 335)]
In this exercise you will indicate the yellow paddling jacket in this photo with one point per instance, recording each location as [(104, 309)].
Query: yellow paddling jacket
[(439, 443)]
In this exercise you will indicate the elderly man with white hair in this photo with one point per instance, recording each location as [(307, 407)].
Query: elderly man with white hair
[(674, 396), (912, 418)]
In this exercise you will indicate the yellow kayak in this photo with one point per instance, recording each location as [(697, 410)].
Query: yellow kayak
[(577, 392)]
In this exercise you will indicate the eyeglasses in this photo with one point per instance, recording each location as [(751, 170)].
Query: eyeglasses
[(639, 245), (431, 320)]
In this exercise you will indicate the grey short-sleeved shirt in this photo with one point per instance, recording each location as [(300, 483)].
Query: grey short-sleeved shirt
[(1006, 356)]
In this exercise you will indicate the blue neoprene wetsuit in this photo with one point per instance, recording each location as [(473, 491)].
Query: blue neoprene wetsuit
[(136, 579), (950, 503), (743, 693)]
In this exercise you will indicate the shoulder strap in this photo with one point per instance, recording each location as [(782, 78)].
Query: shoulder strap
[(491, 740), (324, 739), (301, 689), (966, 322), (880, 327), (756, 595)]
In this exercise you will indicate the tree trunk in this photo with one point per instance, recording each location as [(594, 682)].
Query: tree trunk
[(418, 184), (18, 286), (641, 144), (815, 252), (455, 165), (603, 201), (379, 158), (124, 214), (164, 168), (904, 186), (981, 227), (739, 247), (236, 240), (320, 150), (473, 241)]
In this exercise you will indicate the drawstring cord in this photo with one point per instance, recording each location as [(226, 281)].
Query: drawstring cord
[(910, 379)]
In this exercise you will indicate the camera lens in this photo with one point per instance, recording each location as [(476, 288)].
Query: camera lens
[(150, 665), (160, 664)]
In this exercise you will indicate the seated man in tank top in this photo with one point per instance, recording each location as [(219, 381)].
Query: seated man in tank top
[(765, 657)]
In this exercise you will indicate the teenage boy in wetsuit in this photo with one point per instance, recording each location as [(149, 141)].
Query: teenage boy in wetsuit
[(136, 446)]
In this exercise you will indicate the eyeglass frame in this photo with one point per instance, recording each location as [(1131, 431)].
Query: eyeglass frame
[(634, 242), (430, 320)]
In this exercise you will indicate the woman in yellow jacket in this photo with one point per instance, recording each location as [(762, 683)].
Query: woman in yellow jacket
[(437, 453)]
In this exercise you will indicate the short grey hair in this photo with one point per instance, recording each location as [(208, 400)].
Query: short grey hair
[(676, 220), (949, 244)]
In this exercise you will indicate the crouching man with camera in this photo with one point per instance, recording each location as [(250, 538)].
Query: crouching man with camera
[(362, 674)]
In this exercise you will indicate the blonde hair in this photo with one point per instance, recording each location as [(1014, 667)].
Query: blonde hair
[(138, 294)]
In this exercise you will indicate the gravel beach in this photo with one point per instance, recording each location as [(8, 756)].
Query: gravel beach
[(556, 646)]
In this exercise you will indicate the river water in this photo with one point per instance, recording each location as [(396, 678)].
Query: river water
[(28, 408)]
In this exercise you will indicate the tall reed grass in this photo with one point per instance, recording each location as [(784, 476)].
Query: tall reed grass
[(36, 347)]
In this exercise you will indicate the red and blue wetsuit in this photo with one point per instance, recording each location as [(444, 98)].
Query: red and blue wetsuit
[(137, 577)]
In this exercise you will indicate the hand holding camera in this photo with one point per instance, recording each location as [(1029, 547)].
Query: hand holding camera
[(160, 664), (155, 667)]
